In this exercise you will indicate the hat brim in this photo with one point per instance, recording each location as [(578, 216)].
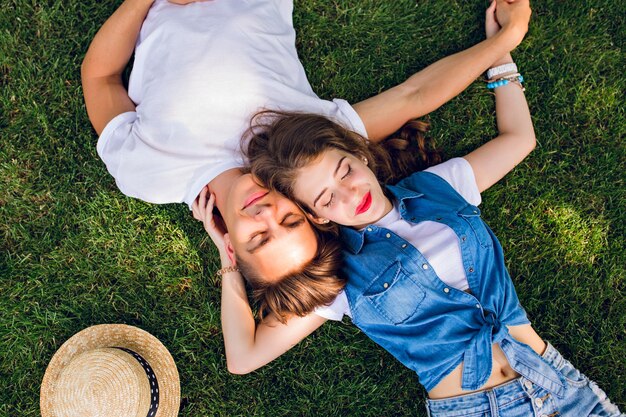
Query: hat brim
[(115, 335)]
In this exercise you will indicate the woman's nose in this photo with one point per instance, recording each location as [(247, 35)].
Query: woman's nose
[(346, 194)]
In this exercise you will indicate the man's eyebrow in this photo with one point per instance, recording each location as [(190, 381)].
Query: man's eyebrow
[(334, 174), (265, 241), (259, 245)]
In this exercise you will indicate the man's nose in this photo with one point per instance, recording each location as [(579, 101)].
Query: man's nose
[(262, 210)]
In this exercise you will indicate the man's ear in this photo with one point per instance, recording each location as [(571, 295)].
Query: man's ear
[(230, 251), (317, 220)]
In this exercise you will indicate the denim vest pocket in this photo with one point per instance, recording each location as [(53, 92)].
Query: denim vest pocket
[(471, 215), (394, 294)]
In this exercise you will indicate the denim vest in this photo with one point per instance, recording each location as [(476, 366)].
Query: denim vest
[(397, 299)]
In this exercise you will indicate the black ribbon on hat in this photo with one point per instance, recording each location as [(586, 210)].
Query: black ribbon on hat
[(154, 384)]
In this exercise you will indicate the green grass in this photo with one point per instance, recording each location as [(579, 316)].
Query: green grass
[(75, 252)]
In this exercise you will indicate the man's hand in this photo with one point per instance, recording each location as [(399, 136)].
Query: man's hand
[(513, 16), (491, 23)]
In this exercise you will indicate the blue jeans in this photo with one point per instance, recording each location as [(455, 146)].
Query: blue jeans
[(523, 398)]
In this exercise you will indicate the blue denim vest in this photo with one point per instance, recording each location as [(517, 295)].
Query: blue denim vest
[(397, 299)]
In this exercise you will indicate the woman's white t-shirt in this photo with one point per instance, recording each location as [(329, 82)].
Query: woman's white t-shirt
[(201, 71), (436, 241)]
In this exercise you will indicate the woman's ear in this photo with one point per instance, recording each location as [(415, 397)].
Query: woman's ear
[(230, 251), (317, 220)]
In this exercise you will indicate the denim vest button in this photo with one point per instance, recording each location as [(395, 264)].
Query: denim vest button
[(446, 290), (471, 269), (369, 229), (388, 235), (386, 285), (403, 245), (528, 384), (477, 305), (475, 211), (424, 266), (463, 238), (538, 402)]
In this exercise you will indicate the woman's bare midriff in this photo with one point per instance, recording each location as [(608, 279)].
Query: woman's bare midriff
[(501, 372)]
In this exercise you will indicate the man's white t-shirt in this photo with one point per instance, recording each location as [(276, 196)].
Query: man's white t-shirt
[(436, 241), (201, 71)]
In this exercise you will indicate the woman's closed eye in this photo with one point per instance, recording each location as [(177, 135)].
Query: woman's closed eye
[(348, 172), (343, 177)]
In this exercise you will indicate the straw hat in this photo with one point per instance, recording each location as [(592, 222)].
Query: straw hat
[(111, 370)]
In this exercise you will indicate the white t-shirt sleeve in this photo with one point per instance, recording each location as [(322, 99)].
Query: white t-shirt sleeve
[(350, 118), (459, 174), (112, 140), (335, 310)]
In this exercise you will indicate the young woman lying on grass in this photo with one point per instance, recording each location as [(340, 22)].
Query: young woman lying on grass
[(200, 71), (426, 277)]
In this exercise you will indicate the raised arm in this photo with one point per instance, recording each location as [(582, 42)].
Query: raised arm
[(249, 345), (438, 83), (106, 58), (516, 138)]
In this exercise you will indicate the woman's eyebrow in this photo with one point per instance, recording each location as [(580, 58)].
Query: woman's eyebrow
[(334, 174)]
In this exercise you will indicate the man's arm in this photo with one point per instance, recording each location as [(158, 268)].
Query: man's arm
[(106, 58), (438, 83)]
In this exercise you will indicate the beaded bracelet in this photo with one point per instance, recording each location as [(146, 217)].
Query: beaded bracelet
[(505, 80)]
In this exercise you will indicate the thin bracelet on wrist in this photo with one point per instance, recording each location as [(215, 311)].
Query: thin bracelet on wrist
[(227, 269)]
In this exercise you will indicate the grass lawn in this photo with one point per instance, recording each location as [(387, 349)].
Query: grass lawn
[(74, 251)]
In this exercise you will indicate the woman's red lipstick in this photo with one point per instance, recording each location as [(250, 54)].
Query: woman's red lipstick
[(365, 204)]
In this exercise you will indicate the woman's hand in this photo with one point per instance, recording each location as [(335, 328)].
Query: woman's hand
[(202, 210), (514, 17), (491, 22), (492, 26)]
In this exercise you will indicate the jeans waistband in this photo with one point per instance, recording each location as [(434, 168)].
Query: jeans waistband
[(482, 401), (477, 402)]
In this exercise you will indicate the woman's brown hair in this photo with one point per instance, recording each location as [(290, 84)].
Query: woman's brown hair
[(279, 144)]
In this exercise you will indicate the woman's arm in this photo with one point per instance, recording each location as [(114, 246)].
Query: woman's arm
[(438, 83), (516, 138), (248, 345)]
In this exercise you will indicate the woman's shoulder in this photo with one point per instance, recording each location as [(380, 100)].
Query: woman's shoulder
[(456, 172)]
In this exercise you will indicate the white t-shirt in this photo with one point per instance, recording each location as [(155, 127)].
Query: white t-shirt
[(200, 72), (436, 241)]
